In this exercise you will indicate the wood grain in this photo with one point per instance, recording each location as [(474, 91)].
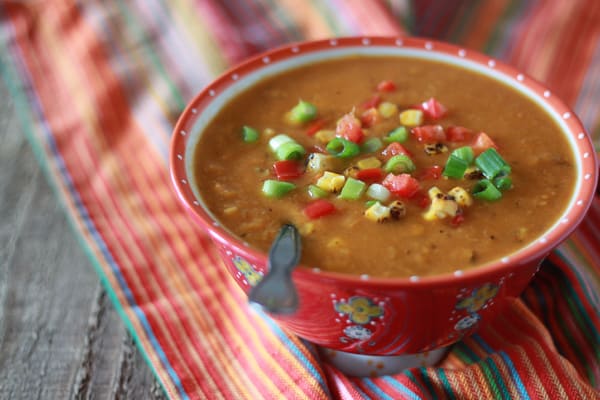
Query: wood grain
[(60, 336)]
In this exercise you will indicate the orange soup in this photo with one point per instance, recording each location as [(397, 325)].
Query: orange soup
[(390, 167)]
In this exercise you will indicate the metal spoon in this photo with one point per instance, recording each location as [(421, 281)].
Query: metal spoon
[(276, 292)]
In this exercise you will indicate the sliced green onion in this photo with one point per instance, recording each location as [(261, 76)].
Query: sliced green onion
[(278, 140), (371, 145), (378, 192), (503, 183), (455, 167), (400, 135), (276, 189), (353, 189), (399, 164), (343, 148), (491, 163), (485, 190), (290, 151), (464, 153), (316, 192), (302, 112), (249, 134)]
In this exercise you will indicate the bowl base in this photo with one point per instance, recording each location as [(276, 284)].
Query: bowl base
[(364, 365)]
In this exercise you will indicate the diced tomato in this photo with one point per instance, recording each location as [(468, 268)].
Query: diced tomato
[(393, 149), (431, 173), (458, 134), (429, 133), (370, 117), (372, 102), (421, 199), (315, 127), (386, 86), (433, 109), (349, 127), (318, 208), (286, 170), (457, 220), (402, 185), (370, 175), (482, 142)]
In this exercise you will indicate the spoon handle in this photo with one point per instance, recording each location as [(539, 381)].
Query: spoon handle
[(276, 292)]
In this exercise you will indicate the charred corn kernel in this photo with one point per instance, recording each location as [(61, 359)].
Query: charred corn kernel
[(397, 209), (268, 132), (462, 197), (435, 148), (473, 173), (387, 109), (366, 163), (442, 205), (307, 229), (317, 162), (331, 182), (378, 212), (411, 117), (351, 171), (325, 135)]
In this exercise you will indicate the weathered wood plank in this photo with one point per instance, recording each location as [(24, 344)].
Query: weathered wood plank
[(59, 335)]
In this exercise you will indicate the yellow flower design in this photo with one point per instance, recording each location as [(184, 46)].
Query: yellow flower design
[(478, 298), (360, 309), (252, 276)]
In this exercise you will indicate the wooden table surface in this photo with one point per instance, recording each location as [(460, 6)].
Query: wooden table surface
[(60, 336)]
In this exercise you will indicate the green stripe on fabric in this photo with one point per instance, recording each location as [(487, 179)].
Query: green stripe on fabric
[(324, 11), (427, 381), (22, 107), (290, 30), (492, 377), (512, 9), (463, 23), (137, 31), (446, 384)]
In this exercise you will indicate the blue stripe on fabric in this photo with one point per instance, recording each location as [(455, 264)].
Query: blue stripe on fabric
[(515, 375), (400, 388), (376, 389), (295, 351), (34, 103), (479, 340)]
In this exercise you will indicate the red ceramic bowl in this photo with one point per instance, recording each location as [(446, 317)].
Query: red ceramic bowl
[(377, 316)]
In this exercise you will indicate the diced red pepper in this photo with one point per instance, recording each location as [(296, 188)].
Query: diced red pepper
[(482, 142), (458, 134), (315, 127), (349, 127), (386, 86), (287, 170), (431, 173), (429, 133), (370, 117), (421, 199), (402, 185), (433, 109), (370, 175), (372, 102), (457, 220), (394, 149), (318, 208)]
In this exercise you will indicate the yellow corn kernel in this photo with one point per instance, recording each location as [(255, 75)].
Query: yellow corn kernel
[(434, 192), (307, 228), (411, 117), (387, 109), (462, 197), (325, 135), (331, 182), (318, 162), (366, 163), (378, 212), (441, 207)]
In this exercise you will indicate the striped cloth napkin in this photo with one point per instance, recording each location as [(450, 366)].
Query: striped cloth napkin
[(98, 87)]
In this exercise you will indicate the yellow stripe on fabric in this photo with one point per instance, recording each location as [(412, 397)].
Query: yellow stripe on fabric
[(187, 17), (87, 110)]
